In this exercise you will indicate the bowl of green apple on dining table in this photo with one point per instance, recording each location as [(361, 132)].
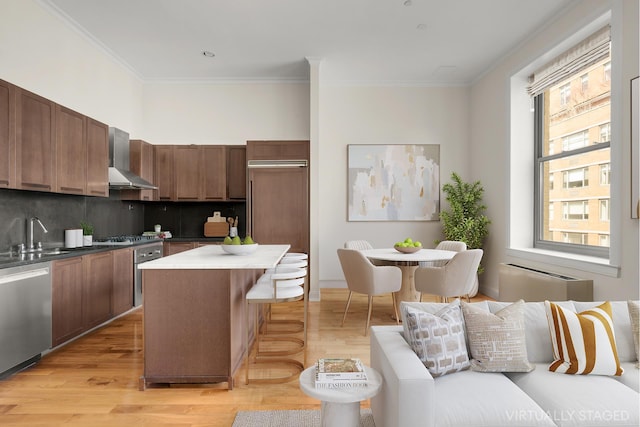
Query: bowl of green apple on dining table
[(407, 246)]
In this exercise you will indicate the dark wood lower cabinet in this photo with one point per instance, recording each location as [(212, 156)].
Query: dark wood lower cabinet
[(122, 281), (98, 287), (88, 291), (194, 325), (67, 291)]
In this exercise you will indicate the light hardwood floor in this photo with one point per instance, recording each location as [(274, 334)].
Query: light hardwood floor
[(93, 381)]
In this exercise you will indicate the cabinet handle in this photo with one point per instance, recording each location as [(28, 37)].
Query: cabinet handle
[(28, 184), (77, 190)]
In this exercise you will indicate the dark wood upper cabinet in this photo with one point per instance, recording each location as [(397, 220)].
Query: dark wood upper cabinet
[(50, 147), (82, 154), (214, 172), (237, 172), (7, 135), (163, 172), (35, 141), (97, 158), (277, 150), (187, 172), (71, 151), (199, 172), (141, 163)]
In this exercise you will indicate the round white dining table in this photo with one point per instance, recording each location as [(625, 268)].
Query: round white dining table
[(408, 263)]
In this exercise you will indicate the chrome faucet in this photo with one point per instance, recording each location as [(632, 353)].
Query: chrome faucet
[(30, 246)]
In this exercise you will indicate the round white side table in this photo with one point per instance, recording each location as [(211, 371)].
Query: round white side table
[(340, 406)]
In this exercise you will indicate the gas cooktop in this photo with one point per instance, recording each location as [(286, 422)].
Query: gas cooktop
[(124, 240)]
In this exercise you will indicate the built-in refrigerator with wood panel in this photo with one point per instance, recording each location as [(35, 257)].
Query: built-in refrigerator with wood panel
[(278, 193)]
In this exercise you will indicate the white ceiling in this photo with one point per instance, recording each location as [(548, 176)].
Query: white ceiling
[(429, 42)]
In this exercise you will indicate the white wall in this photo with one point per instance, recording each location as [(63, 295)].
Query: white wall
[(41, 54), (382, 115), (494, 141), (224, 113)]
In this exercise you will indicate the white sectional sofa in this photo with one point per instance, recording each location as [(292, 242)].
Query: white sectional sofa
[(412, 397)]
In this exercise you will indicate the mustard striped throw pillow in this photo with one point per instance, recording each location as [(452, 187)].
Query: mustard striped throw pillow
[(583, 343)]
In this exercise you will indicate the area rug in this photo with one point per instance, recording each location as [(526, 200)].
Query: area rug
[(298, 418)]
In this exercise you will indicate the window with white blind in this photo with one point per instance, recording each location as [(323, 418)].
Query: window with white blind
[(575, 178), (572, 134)]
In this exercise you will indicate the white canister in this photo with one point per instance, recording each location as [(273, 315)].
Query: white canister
[(87, 240), (70, 238), (79, 239)]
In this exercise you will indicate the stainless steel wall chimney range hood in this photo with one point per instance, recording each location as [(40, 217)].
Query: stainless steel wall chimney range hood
[(120, 178)]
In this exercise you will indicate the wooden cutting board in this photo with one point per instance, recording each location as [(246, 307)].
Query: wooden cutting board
[(216, 229)]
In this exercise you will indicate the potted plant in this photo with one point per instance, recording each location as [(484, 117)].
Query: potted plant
[(465, 220), (87, 233)]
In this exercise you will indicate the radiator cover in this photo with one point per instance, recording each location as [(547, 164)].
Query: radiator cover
[(519, 282)]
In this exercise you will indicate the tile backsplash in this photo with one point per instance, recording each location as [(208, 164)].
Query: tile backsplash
[(187, 220), (109, 216)]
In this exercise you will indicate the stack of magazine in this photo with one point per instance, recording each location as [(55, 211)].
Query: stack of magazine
[(340, 373)]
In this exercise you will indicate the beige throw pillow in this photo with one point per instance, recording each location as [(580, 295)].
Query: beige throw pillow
[(634, 312), (497, 341), (583, 343), (437, 339)]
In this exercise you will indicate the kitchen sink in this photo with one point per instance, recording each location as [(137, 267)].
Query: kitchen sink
[(56, 251), (6, 258)]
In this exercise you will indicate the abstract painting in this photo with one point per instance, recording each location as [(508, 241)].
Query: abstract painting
[(393, 182)]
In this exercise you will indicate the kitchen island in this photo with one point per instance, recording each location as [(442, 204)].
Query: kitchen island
[(194, 313)]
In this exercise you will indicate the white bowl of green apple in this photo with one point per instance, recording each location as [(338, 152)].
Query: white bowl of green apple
[(237, 246), (407, 246)]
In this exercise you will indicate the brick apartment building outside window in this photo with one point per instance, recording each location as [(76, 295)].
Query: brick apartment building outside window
[(573, 130)]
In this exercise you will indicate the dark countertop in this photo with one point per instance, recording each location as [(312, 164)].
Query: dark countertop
[(196, 239), (7, 261)]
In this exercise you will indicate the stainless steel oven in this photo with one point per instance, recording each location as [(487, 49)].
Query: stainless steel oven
[(143, 254)]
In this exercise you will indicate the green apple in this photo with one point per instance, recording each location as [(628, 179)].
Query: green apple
[(236, 241), (408, 240), (417, 244), (248, 241), (227, 241)]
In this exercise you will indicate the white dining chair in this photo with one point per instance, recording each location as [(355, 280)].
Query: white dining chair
[(365, 278), (361, 245), (445, 245), (455, 278)]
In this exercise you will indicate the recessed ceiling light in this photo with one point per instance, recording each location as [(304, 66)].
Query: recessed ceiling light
[(208, 54)]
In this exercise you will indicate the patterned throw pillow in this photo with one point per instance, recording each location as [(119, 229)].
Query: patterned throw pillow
[(497, 341), (437, 339), (634, 313), (583, 343)]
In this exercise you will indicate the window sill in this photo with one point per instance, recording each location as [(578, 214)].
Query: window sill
[(562, 259)]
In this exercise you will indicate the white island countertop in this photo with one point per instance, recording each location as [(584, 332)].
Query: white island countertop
[(214, 258)]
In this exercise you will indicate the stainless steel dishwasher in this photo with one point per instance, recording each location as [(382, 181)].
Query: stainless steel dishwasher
[(25, 315)]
